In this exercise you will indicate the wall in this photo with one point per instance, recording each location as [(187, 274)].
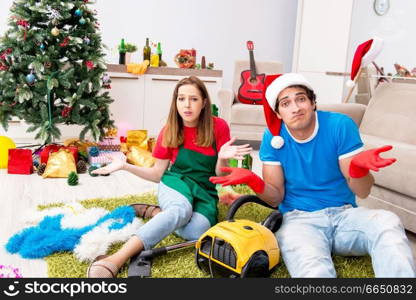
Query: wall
[(322, 45), (396, 28), (217, 29)]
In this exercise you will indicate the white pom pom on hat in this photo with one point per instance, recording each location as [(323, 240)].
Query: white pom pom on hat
[(363, 56), (273, 85), (277, 142), (350, 83)]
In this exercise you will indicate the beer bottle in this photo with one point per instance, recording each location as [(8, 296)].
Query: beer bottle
[(247, 162), (159, 51), (122, 53)]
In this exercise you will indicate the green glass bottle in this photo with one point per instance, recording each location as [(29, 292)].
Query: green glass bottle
[(159, 52), (122, 53), (247, 162), (146, 51)]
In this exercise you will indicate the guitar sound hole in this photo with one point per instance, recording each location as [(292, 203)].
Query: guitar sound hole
[(253, 80)]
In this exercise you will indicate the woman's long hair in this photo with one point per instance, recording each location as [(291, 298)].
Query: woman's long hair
[(173, 133)]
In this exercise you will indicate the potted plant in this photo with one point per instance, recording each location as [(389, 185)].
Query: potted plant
[(128, 49)]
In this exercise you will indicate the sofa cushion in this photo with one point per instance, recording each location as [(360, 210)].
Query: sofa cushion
[(400, 176), (247, 114), (391, 113), (354, 110)]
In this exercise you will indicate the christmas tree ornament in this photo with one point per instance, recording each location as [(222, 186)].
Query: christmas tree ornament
[(25, 24), (78, 12), (83, 155), (47, 64), (65, 42), (106, 78), (81, 167), (66, 111), (54, 14), (41, 169), (82, 21), (87, 41), (106, 81), (72, 179), (89, 64), (3, 67), (92, 168), (55, 22), (30, 78), (93, 151), (42, 47), (55, 31)]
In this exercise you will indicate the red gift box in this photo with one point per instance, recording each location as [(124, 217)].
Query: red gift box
[(20, 161), (44, 155)]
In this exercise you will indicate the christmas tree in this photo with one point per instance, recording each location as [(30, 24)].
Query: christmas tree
[(52, 68)]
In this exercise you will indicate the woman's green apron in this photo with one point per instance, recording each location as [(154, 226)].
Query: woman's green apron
[(189, 175)]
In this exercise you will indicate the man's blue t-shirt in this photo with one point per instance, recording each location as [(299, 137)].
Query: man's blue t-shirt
[(313, 179)]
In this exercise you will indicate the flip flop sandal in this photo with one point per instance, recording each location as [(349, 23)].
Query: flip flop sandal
[(102, 269), (144, 210)]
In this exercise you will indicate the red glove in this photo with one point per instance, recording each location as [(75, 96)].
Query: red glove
[(369, 160), (240, 176)]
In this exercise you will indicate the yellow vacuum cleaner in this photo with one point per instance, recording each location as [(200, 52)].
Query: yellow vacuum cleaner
[(240, 248), (232, 248)]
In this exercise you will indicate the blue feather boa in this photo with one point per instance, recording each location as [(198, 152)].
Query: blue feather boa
[(49, 236)]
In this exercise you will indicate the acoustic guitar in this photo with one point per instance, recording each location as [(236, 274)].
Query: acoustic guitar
[(252, 84)]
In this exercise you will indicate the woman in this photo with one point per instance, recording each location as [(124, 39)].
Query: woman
[(196, 146)]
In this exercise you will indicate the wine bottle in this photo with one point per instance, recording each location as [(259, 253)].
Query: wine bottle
[(146, 51), (203, 63), (122, 53)]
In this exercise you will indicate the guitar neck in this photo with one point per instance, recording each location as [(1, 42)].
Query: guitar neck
[(252, 65)]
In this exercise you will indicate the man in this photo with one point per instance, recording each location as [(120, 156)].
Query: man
[(313, 171)]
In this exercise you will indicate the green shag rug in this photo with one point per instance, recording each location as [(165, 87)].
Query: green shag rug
[(181, 263)]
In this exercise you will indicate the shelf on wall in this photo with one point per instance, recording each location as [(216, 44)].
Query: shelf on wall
[(398, 79), (168, 71)]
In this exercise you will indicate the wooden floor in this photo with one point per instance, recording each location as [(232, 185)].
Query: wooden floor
[(20, 194)]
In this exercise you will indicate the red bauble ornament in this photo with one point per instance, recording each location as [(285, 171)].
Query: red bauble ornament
[(65, 42), (89, 64), (66, 111)]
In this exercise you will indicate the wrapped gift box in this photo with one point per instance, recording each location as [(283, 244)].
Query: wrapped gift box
[(20, 161), (109, 144), (44, 155), (104, 157)]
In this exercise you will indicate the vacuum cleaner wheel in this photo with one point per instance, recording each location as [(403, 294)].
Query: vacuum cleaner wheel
[(257, 266)]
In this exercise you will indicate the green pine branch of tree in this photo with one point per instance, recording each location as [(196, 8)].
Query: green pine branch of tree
[(52, 69)]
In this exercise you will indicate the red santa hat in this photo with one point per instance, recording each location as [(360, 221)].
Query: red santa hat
[(364, 55), (273, 85)]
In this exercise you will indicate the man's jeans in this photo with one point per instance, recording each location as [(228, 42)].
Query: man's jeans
[(176, 215), (307, 239)]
